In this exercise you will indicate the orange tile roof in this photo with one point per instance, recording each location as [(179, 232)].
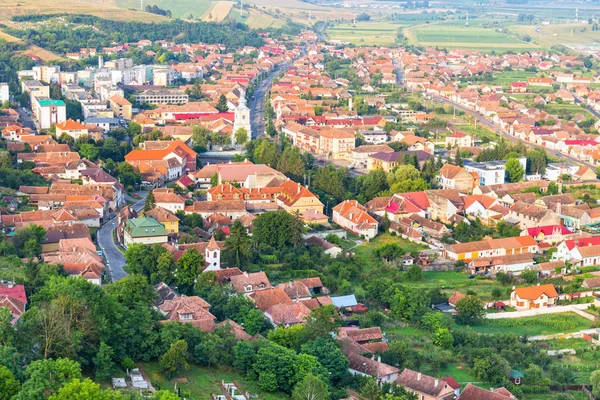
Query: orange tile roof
[(534, 292), (70, 125)]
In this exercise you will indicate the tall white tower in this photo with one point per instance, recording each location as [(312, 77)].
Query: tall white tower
[(242, 117)]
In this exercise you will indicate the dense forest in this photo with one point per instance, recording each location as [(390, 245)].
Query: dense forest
[(97, 32), (11, 62)]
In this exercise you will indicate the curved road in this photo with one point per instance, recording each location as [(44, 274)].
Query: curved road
[(115, 259)]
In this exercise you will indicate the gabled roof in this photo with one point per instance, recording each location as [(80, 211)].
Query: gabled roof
[(534, 292), (422, 383)]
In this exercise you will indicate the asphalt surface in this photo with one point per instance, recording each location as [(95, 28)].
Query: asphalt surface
[(115, 259), (590, 109), (257, 103), (26, 120)]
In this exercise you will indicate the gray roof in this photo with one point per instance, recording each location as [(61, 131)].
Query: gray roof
[(344, 301)]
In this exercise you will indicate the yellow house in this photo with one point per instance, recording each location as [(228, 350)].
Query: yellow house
[(296, 198), (166, 218)]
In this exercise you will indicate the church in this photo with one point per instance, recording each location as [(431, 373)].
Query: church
[(242, 118)]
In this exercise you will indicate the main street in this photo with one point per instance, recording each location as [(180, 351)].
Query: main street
[(115, 259), (258, 100)]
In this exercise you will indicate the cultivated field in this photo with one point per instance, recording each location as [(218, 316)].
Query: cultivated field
[(466, 37), (179, 8), (219, 11), (365, 33), (548, 36), (100, 8)]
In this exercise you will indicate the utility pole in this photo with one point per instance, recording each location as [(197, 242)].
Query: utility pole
[(141, 5), (241, 8)]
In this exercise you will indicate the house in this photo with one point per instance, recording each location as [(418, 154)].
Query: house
[(491, 247), (424, 386), (358, 364), (75, 129), (532, 215), (287, 314), (174, 157), (296, 198), (353, 216), (328, 248), (540, 296), (459, 139), (267, 298), (361, 336), (585, 256), (188, 310), (472, 392), (548, 234), (296, 290), (14, 298), (166, 218), (458, 178), (249, 283), (514, 263), (168, 199), (362, 153), (491, 172), (145, 231)]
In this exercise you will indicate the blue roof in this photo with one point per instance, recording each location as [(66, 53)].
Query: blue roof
[(344, 301)]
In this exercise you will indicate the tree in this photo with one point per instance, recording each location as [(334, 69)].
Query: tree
[(470, 310), (310, 388), (370, 390), (536, 161), (514, 170), (279, 230), (415, 273), (274, 361), (291, 163), (174, 360), (7, 331), (45, 377), (89, 151), (103, 362), (150, 202), (237, 246), (322, 322), (595, 381), (84, 390), (329, 355), (492, 368), (241, 136), (189, 266), (529, 276), (443, 338), (222, 104), (9, 386), (28, 241)]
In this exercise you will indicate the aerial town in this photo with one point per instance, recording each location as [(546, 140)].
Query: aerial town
[(203, 207)]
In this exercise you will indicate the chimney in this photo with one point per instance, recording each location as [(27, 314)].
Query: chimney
[(378, 359), (419, 376), (436, 383)]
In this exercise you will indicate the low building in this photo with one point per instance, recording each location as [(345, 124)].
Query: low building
[(14, 298), (145, 231), (540, 296), (353, 216), (167, 218), (162, 96), (458, 178), (424, 386), (75, 129)]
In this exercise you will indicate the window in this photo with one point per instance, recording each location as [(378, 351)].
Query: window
[(186, 316), (249, 288), (215, 254)]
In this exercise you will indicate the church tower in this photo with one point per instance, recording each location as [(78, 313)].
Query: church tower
[(242, 117)]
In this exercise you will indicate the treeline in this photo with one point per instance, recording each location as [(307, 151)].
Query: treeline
[(11, 62), (158, 11), (102, 33)]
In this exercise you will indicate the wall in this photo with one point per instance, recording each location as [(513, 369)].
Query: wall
[(576, 308)]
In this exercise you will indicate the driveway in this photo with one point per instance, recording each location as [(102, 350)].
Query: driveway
[(115, 259)]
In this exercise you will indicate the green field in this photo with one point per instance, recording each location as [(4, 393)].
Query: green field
[(202, 383), (465, 37), (533, 326), (179, 8), (365, 33)]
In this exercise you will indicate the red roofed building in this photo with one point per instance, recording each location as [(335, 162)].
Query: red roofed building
[(353, 216), (540, 296), (14, 298), (548, 234), (518, 87), (177, 157)]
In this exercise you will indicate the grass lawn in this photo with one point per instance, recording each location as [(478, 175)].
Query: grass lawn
[(534, 326), (365, 250), (202, 382), (460, 372), (573, 109), (405, 331)]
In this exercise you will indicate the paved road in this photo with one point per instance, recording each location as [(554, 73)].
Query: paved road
[(257, 103), (115, 260), (26, 120), (590, 109), (489, 124)]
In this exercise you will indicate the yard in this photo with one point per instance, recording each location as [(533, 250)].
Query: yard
[(202, 382), (534, 326)]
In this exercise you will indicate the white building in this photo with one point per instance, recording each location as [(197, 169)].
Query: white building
[(242, 118), (49, 112), (491, 172), (4, 92)]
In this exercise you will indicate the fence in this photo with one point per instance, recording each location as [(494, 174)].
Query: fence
[(575, 308)]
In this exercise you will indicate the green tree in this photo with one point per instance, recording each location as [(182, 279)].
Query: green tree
[(241, 136), (329, 355), (45, 377), (443, 338), (529, 276), (370, 390), (322, 322), (237, 246), (536, 161), (103, 362), (189, 266), (7, 331), (150, 202), (291, 163), (89, 151), (174, 360), (415, 273), (493, 368), (9, 386), (310, 388), (28, 241), (222, 103), (470, 310), (279, 361), (84, 390), (165, 395), (514, 170), (595, 381)]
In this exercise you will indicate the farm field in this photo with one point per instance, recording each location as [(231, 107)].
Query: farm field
[(365, 33), (255, 19), (100, 8), (558, 34), (179, 8), (203, 382), (533, 326), (467, 37)]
